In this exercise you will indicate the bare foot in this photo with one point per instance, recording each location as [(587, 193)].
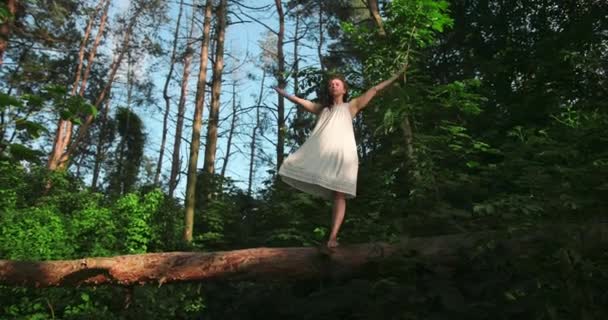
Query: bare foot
[(332, 243)]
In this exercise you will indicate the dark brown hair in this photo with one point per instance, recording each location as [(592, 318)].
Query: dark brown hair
[(328, 96)]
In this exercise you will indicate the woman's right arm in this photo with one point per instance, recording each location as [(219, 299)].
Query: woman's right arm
[(306, 104)]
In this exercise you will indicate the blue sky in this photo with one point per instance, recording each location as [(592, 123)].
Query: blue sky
[(242, 42)]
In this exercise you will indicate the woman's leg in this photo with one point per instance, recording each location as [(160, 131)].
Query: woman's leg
[(337, 217)]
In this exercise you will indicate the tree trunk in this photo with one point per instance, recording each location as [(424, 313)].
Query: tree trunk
[(197, 122), (83, 46), (63, 133), (408, 137), (254, 133), (230, 133), (123, 47), (374, 11), (121, 146), (5, 28), (99, 152), (320, 44), (296, 70), (440, 253), (181, 109), (281, 83), (100, 30), (167, 97), (300, 113), (406, 126), (216, 87)]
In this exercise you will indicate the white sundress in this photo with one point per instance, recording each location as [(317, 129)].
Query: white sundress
[(328, 160)]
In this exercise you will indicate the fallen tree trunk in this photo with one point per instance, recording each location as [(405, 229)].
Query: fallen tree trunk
[(278, 263), (166, 267)]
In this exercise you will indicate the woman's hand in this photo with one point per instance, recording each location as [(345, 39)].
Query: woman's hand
[(362, 101), (280, 91), (308, 105)]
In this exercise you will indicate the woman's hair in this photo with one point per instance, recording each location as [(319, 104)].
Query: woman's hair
[(328, 96)]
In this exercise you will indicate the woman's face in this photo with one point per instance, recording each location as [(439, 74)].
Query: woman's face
[(336, 87)]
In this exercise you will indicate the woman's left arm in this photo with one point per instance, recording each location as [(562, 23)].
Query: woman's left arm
[(361, 101)]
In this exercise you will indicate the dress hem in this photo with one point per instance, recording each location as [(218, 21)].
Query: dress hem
[(312, 179)]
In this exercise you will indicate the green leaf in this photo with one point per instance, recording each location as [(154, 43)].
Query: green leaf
[(66, 114), (5, 15), (33, 101), (92, 110), (6, 100), (473, 164), (56, 91), (32, 128), (510, 296), (21, 152)]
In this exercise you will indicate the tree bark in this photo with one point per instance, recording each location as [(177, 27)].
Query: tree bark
[(6, 28), (296, 58), (197, 122), (122, 144), (124, 47), (374, 11), (63, 133), (181, 109), (254, 134), (441, 253), (300, 113), (230, 134), (216, 87), (100, 152), (410, 155), (83, 46), (320, 44), (93, 53), (166, 96), (280, 75)]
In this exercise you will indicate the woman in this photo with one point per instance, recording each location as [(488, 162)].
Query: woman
[(326, 164)]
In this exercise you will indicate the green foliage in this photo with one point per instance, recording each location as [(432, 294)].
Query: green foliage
[(37, 233), (133, 213), (5, 14), (411, 26), (22, 127), (69, 107), (94, 228), (124, 168)]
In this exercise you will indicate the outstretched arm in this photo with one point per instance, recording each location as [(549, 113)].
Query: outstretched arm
[(361, 101), (308, 105)]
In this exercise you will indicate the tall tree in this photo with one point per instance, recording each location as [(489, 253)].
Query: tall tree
[(166, 95), (374, 11), (104, 138), (139, 14), (181, 109), (93, 50), (216, 87), (197, 121), (230, 135), (280, 76), (321, 37), (63, 135), (254, 132)]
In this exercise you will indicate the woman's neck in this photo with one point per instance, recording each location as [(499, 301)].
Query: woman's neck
[(337, 100)]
